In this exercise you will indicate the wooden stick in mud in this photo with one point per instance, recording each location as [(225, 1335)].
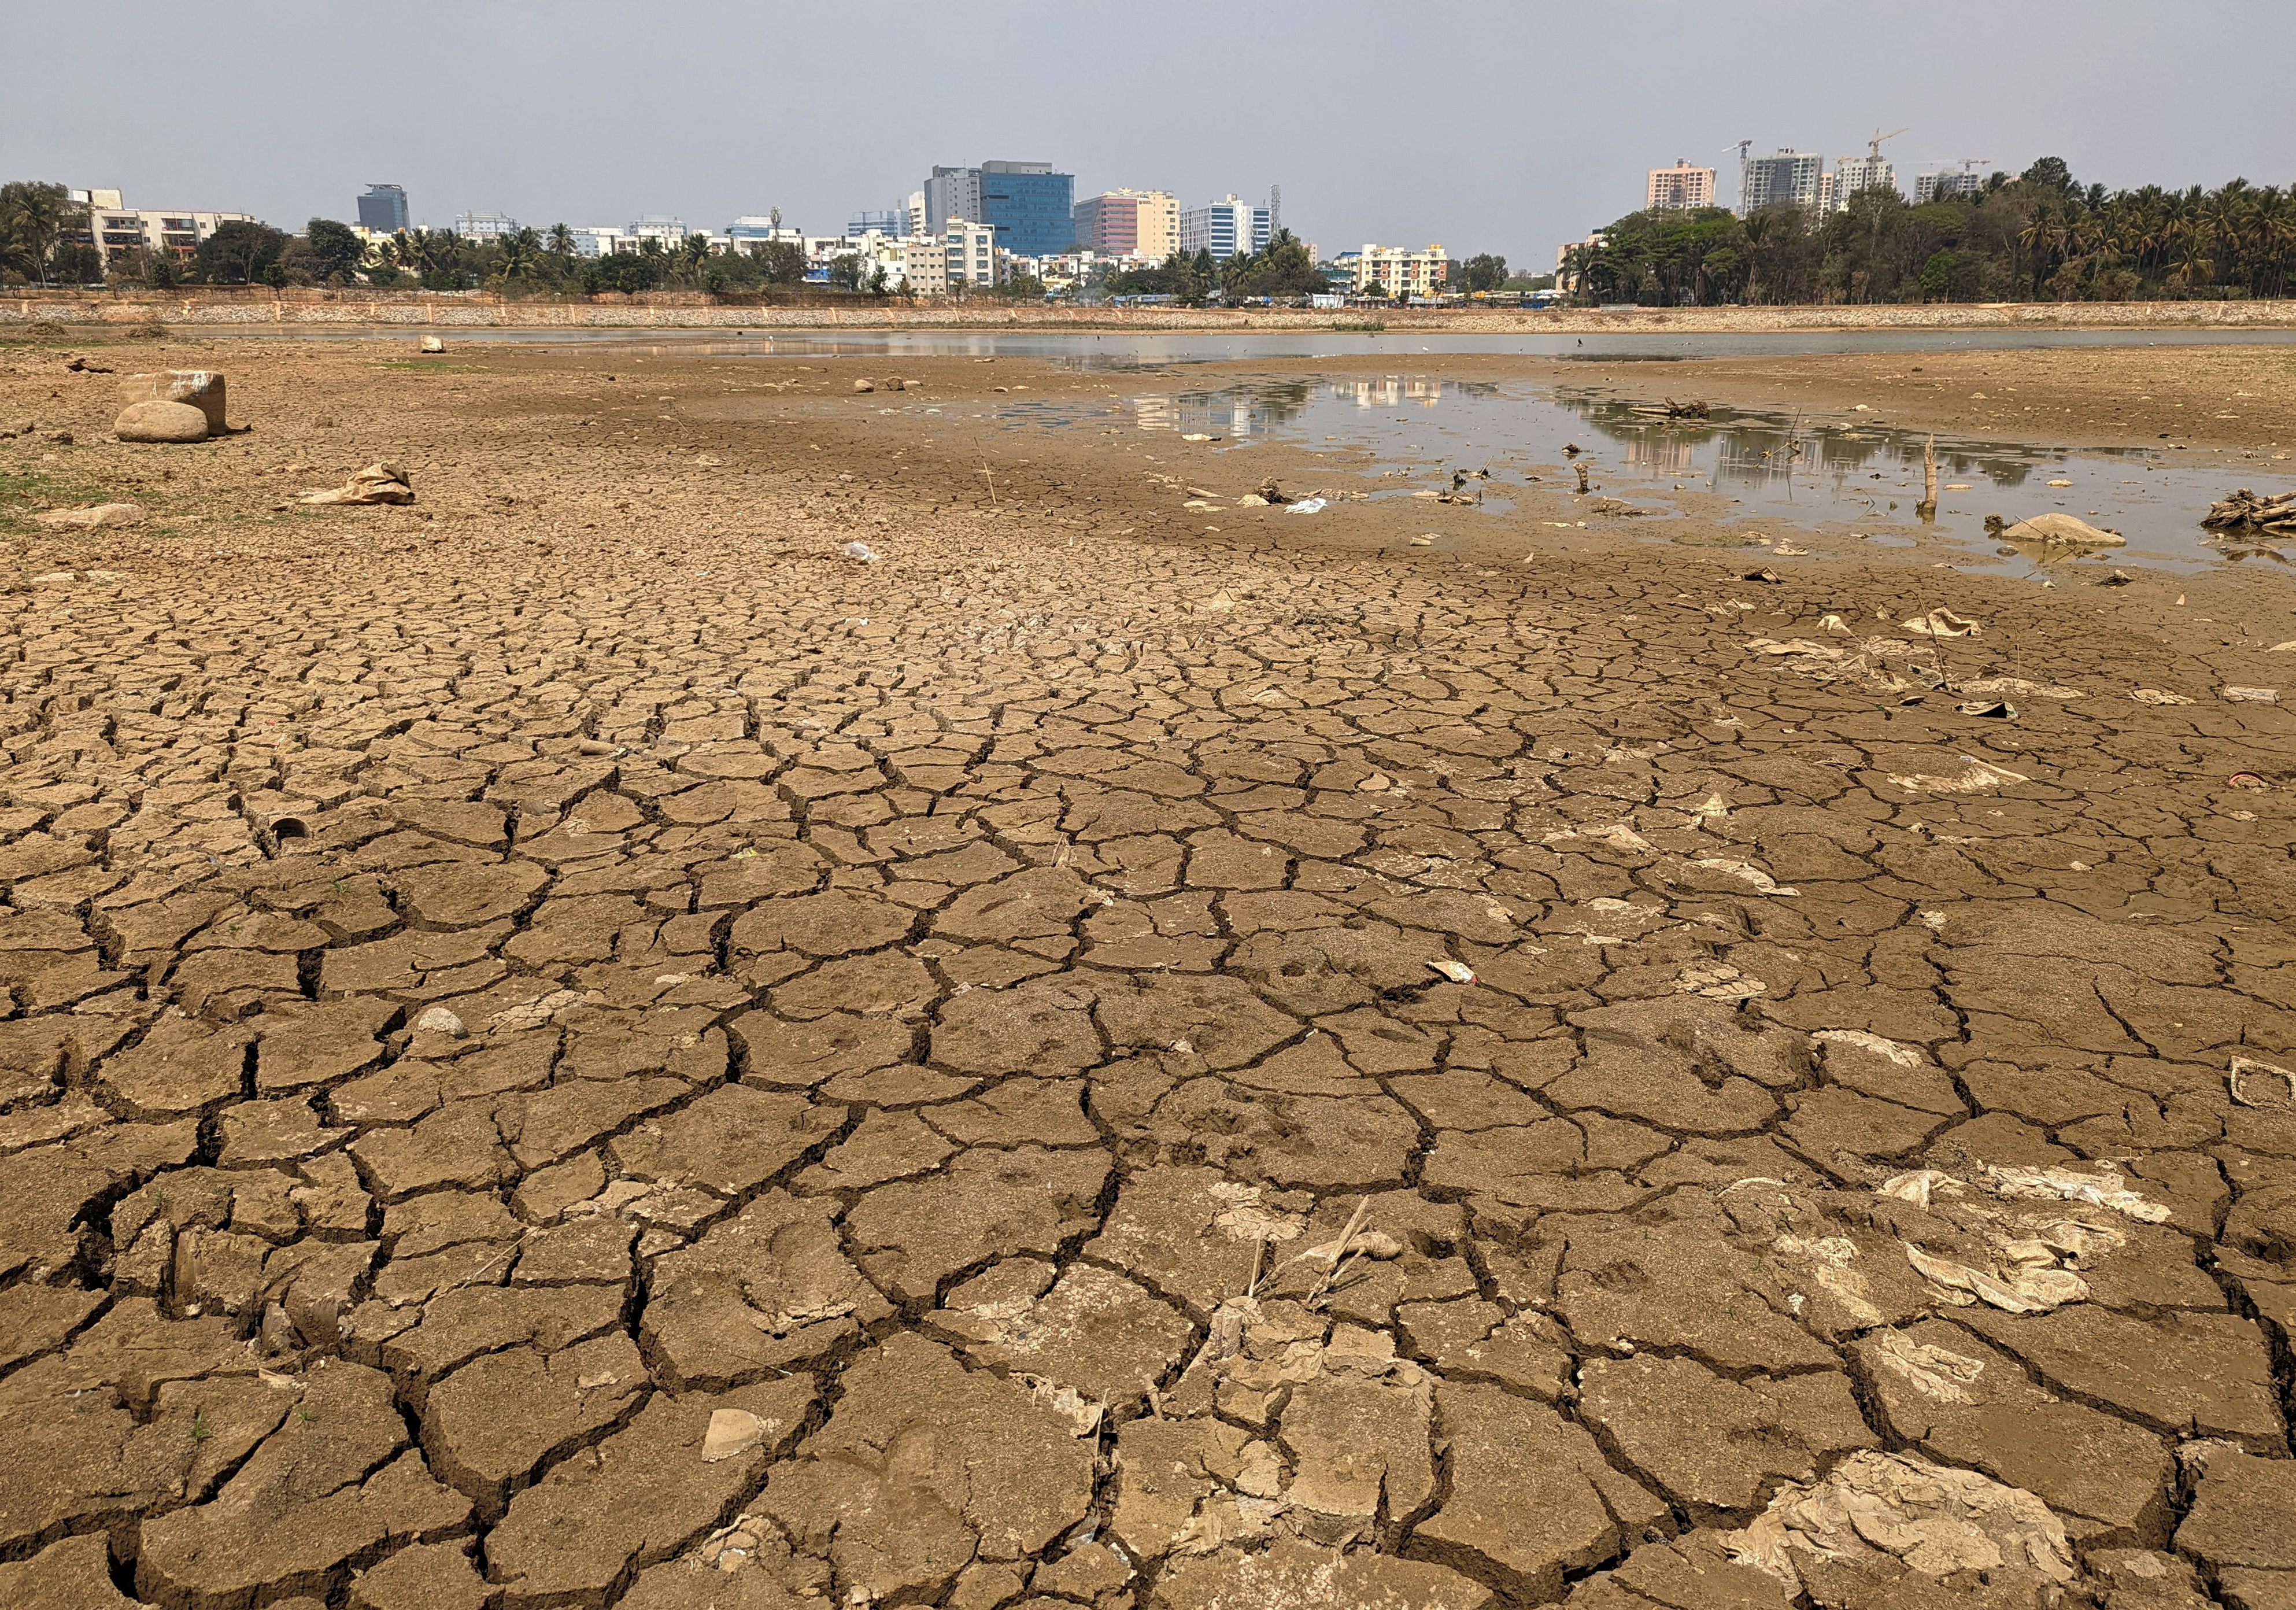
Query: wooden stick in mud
[(1927, 507)]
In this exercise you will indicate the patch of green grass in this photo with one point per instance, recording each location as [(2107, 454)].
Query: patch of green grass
[(24, 486)]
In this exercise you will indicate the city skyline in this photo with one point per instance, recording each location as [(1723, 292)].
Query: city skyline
[(516, 110)]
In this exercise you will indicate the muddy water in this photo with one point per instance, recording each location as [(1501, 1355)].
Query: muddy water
[(1748, 468)]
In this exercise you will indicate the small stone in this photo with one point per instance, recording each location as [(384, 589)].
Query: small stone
[(437, 1020), (160, 422), (431, 343), (863, 385)]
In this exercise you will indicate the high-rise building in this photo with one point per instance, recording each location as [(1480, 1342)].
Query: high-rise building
[(383, 209), (1790, 177), (1853, 175), (915, 208), (1943, 186), (1026, 203), (951, 193), (894, 222), (1028, 206), (1225, 228), (1129, 223), (1679, 188)]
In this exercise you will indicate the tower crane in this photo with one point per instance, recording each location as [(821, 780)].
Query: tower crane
[(1873, 145)]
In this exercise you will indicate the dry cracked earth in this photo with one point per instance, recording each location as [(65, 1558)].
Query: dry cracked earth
[(1051, 1069)]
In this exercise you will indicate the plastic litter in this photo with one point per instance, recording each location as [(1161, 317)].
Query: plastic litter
[(1994, 708), (1942, 623), (2254, 695), (861, 551), (379, 482), (2154, 695), (1306, 505), (1459, 973)]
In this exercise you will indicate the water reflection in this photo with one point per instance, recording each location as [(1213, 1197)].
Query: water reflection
[(1768, 465)]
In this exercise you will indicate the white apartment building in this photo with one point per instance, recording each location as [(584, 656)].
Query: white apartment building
[(972, 253), (120, 229), (1852, 175), (1399, 271), (1564, 278), (1790, 176), (485, 226), (1942, 187)]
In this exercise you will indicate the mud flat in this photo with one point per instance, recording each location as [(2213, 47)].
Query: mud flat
[(573, 1044)]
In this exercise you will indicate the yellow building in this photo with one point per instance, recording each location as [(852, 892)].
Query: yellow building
[(1399, 271), (1679, 188)]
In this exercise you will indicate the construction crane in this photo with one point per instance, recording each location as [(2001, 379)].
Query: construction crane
[(1969, 164), (1873, 145)]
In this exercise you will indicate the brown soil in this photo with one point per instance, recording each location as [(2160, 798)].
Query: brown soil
[(570, 1045)]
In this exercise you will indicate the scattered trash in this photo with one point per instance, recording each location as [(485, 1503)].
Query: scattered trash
[(1746, 873), (1306, 505), (431, 343), (1832, 623), (731, 1432), (2118, 579), (1269, 494), (1883, 1510), (1459, 973), (1718, 980), (2061, 483), (1582, 477), (1764, 574), (2248, 780), (1994, 708), (861, 551), (1786, 550), (2249, 1068), (1942, 623), (1195, 436), (99, 515), (1612, 506), (2257, 696), (860, 386), (2155, 695), (379, 482), (2283, 648), (1425, 539), (2244, 509)]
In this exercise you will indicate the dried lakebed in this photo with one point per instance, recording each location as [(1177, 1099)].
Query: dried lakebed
[(606, 1055)]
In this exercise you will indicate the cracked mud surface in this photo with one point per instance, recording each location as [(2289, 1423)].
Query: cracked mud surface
[(568, 1052)]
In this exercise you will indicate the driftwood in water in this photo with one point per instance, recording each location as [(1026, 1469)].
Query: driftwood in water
[(2245, 510)]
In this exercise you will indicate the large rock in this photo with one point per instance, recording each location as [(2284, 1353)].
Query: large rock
[(2062, 530), (202, 389), (156, 421)]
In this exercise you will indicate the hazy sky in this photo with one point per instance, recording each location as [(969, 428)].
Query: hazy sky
[(1488, 125)]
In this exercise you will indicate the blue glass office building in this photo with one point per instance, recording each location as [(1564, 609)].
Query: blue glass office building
[(1031, 207)]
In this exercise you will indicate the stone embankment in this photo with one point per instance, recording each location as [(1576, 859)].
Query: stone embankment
[(694, 310)]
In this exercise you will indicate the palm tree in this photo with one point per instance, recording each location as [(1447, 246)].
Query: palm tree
[(32, 215), (520, 256)]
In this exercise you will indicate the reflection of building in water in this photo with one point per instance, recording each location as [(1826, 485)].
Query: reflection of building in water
[(1667, 454), (1392, 392), (1153, 413)]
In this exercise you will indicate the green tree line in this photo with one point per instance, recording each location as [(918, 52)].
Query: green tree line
[(2037, 237), (1282, 269)]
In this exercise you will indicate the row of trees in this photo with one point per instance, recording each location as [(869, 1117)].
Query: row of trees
[(2039, 236)]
